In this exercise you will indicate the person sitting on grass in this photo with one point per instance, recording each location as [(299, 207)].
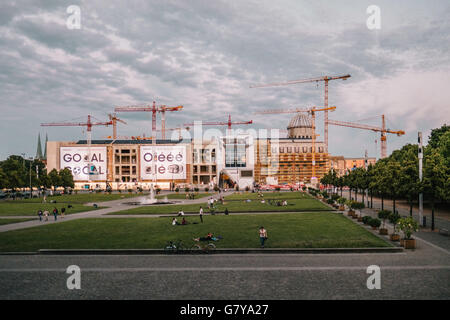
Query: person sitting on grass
[(184, 222), (175, 222)]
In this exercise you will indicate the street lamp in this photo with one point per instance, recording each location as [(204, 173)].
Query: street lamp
[(31, 190)]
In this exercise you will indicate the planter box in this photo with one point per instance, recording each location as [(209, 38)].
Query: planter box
[(359, 219), (354, 216), (383, 231), (394, 237), (374, 228), (408, 243), (341, 208), (350, 213)]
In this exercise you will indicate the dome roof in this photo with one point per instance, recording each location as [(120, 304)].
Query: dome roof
[(300, 120)]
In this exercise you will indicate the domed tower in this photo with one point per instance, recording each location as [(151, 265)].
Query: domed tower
[(300, 127)]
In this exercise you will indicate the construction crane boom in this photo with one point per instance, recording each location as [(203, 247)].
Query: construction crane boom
[(228, 123), (381, 129), (325, 79), (153, 109)]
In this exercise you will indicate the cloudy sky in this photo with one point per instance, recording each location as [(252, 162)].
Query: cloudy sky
[(204, 55)]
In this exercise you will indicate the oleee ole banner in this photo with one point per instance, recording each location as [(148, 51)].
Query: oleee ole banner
[(77, 160), (163, 162)]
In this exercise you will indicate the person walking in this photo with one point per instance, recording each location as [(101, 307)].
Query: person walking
[(63, 211), (46, 215), (55, 213), (40, 214), (262, 236), (201, 214)]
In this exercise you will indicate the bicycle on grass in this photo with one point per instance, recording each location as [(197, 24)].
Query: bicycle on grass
[(207, 248)]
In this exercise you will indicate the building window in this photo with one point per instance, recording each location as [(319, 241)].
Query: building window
[(235, 155)]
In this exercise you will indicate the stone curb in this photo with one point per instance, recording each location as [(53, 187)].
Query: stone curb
[(217, 251)]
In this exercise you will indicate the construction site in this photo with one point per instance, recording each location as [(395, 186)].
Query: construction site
[(290, 158)]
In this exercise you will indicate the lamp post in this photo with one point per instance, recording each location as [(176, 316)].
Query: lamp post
[(31, 190), (420, 156)]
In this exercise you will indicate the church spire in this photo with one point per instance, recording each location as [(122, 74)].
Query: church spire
[(45, 152), (39, 148)]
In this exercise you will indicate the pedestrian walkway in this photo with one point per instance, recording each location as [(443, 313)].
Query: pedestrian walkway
[(440, 221)]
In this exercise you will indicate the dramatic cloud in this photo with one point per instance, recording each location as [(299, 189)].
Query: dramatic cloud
[(205, 54)]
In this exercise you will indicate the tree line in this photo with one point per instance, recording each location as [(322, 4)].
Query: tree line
[(397, 176), (17, 172)]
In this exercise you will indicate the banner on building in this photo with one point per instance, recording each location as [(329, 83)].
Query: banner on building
[(163, 162), (84, 162)]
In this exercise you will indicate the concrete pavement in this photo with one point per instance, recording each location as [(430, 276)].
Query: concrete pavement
[(419, 274)]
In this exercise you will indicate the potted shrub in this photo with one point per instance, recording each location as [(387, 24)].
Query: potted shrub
[(358, 206), (216, 188), (206, 189), (408, 226), (393, 218), (341, 202), (350, 211), (366, 219), (187, 189), (130, 191), (375, 223), (196, 189), (383, 215), (177, 189)]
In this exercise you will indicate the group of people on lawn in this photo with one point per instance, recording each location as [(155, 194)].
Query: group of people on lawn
[(209, 236), (44, 214)]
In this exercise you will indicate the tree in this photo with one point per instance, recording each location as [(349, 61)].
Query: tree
[(55, 179), (436, 135), (3, 179), (435, 179), (393, 181), (66, 178)]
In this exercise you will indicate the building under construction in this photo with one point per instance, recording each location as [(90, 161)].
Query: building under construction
[(227, 161)]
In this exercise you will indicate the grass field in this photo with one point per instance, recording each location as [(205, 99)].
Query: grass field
[(30, 209), (183, 195), (9, 221), (302, 230), (294, 205), (269, 195), (79, 198)]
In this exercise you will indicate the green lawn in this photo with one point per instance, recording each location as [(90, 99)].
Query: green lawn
[(183, 195), (269, 195), (79, 198), (9, 221), (302, 230), (30, 209), (306, 204)]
